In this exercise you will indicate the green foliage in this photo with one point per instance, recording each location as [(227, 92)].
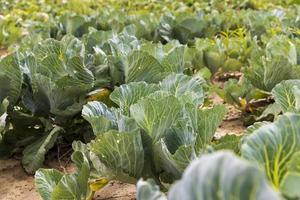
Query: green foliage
[(275, 147), (52, 184), (138, 72), (149, 190), (216, 176), (44, 88), (34, 155), (229, 142), (167, 137), (276, 63), (286, 95)]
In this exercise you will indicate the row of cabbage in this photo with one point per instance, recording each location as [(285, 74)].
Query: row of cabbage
[(182, 20), (133, 89)]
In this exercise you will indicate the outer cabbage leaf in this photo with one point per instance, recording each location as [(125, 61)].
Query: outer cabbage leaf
[(189, 139), (155, 116), (275, 64), (97, 168), (61, 100), (19, 130), (11, 79), (51, 184), (76, 25), (57, 86), (68, 47), (228, 142), (223, 176), (208, 120), (3, 107), (171, 55), (282, 46), (154, 62), (275, 147), (34, 154), (103, 119), (95, 38), (121, 45), (122, 152), (99, 116), (46, 180), (148, 190), (189, 28), (287, 95), (265, 74), (130, 93), (74, 185), (143, 67), (182, 28), (174, 163), (185, 88)]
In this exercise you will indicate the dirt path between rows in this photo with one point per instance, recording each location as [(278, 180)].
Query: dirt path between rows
[(3, 51), (15, 184)]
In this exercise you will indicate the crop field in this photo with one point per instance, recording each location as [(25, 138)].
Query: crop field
[(149, 99)]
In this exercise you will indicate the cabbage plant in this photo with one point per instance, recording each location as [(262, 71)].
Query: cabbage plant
[(216, 176), (155, 132), (286, 95), (53, 184), (270, 65), (46, 89), (162, 124), (275, 148)]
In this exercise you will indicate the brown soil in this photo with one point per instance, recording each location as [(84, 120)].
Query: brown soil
[(3, 51), (116, 190), (232, 124), (15, 184)]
